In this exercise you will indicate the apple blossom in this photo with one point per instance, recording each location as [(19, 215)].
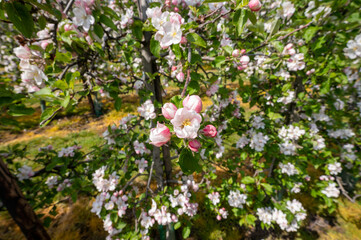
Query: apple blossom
[(255, 5), (186, 123), (210, 131), (194, 145), (236, 53), (180, 76), (193, 102), (82, 18), (169, 110), (159, 135), (22, 52)]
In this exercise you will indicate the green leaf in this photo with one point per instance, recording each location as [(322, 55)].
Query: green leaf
[(46, 114), (186, 232), (177, 51), (137, 29), (66, 101), (118, 104), (241, 4), (63, 57), (44, 92), (310, 33), (177, 225), (250, 219), (61, 85), (219, 60), (20, 110), (196, 39), (108, 22), (42, 22), (20, 16), (98, 30), (247, 180), (252, 17), (242, 21), (193, 87), (177, 101), (188, 163), (155, 47), (275, 27)]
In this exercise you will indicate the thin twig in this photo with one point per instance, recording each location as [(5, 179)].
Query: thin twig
[(68, 6), (51, 116), (344, 192)]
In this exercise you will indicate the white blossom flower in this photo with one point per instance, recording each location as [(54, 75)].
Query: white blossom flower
[(288, 168), (331, 190), (147, 110), (25, 172), (334, 168), (81, 18), (236, 199)]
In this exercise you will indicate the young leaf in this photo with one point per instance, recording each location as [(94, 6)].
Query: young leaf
[(196, 39)]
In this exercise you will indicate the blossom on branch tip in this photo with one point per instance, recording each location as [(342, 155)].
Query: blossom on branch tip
[(186, 123), (193, 102), (194, 145), (159, 135)]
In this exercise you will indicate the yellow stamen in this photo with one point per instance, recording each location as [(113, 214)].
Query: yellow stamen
[(186, 122)]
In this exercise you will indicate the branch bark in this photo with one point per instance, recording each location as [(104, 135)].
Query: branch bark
[(19, 209)]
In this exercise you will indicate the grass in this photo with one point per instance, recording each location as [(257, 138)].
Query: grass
[(85, 138)]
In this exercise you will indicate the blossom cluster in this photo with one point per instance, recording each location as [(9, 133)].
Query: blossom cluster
[(168, 25), (268, 215)]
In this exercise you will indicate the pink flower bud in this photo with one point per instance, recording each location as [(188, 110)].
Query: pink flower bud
[(219, 217), (243, 51), (289, 46), (169, 110), (180, 76), (183, 40), (193, 102), (44, 44), (236, 53), (167, 3), (159, 135), (194, 145), (174, 68), (255, 5), (210, 131), (176, 9), (175, 2), (67, 27), (244, 60), (292, 51)]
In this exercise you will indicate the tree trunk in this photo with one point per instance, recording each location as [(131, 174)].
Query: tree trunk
[(20, 210), (150, 66)]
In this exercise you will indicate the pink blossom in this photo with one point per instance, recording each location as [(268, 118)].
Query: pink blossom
[(180, 76), (210, 131), (244, 60), (68, 27), (159, 135), (183, 40), (186, 123), (193, 102), (194, 145), (236, 53), (169, 110), (255, 5), (22, 52)]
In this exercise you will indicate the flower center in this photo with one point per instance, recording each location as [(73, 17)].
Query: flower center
[(186, 122), (174, 34)]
